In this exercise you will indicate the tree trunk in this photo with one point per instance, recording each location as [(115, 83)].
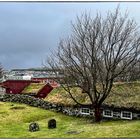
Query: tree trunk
[(97, 114)]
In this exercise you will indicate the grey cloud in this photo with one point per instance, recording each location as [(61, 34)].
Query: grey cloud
[(28, 30)]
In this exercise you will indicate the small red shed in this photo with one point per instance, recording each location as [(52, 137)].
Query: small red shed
[(16, 86), (30, 87)]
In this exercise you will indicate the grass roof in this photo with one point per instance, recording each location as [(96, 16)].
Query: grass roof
[(33, 88), (122, 95)]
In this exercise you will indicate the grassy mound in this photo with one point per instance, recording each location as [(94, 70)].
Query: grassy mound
[(14, 124), (122, 95)]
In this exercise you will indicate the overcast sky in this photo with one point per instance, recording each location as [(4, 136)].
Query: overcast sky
[(29, 30)]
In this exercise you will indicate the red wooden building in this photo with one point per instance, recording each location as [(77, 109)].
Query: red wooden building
[(18, 86)]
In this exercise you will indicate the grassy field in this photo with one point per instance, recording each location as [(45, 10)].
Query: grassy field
[(15, 119)]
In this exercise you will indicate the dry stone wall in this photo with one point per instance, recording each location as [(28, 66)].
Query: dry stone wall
[(26, 100)]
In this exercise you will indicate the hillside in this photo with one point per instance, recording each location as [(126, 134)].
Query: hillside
[(15, 119), (122, 95)]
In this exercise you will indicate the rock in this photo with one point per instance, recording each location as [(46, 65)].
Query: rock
[(33, 127), (58, 108), (52, 124)]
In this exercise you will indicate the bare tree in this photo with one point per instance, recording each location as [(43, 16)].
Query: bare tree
[(1, 71), (134, 73), (97, 52)]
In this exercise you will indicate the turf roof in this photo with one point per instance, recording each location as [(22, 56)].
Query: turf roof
[(122, 95), (33, 88)]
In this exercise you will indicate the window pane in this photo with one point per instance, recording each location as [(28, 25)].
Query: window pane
[(126, 115), (108, 113), (85, 110)]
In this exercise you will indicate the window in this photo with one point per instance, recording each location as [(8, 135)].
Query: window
[(126, 115), (108, 113), (85, 111)]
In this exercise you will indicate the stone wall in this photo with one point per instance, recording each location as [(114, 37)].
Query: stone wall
[(29, 100)]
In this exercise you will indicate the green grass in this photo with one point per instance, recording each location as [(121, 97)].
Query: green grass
[(15, 119)]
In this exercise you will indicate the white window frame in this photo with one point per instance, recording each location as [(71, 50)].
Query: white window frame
[(85, 113), (110, 116), (129, 118)]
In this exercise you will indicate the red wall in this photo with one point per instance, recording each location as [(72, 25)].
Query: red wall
[(16, 86), (44, 91)]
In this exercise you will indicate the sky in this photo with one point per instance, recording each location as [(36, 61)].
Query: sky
[(29, 30)]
